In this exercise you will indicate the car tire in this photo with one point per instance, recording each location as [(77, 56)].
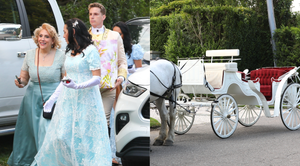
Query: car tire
[(132, 162)]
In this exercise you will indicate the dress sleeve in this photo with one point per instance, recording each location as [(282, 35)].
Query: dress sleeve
[(25, 66), (137, 52), (93, 58), (63, 55)]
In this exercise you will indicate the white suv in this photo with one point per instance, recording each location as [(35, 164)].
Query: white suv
[(132, 116), (18, 20)]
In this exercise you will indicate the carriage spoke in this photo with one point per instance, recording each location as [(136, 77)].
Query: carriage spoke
[(297, 114), (176, 121), (288, 100), (253, 110), (226, 128), (219, 124), (292, 117), (222, 126), (224, 116), (296, 117), (232, 120), (288, 110), (184, 123), (250, 116), (288, 114), (228, 104), (218, 113), (245, 110), (230, 124), (218, 121), (231, 110), (186, 119)]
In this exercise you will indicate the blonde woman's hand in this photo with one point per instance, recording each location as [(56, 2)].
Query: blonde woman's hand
[(17, 83)]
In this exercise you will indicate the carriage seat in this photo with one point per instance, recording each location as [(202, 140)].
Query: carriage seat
[(266, 76), (214, 72)]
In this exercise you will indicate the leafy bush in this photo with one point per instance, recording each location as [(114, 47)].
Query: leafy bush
[(197, 29), (159, 33), (115, 10), (175, 6), (287, 46)]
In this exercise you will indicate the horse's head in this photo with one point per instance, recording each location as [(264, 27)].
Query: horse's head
[(165, 79)]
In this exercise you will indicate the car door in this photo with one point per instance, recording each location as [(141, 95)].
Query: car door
[(18, 20), (13, 44)]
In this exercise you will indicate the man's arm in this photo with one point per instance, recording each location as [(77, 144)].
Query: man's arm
[(122, 61)]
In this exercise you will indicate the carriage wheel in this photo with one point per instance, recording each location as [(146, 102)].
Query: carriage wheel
[(224, 116), (183, 119), (290, 106), (249, 115)]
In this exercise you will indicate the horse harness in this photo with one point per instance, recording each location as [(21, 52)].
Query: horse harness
[(168, 94)]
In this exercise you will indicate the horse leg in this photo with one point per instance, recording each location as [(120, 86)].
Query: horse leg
[(170, 137), (160, 104), (172, 113)]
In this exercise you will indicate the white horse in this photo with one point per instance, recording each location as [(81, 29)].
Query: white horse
[(165, 82)]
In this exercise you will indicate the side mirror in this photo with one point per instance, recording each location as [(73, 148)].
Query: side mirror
[(10, 32)]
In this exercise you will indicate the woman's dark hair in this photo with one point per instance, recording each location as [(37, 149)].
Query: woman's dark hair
[(127, 37), (81, 39)]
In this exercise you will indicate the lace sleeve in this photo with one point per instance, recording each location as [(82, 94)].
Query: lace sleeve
[(63, 70)]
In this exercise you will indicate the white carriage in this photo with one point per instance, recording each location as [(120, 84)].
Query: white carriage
[(240, 96)]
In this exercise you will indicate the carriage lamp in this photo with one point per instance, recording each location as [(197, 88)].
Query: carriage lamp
[(121, 120), (133, 90)]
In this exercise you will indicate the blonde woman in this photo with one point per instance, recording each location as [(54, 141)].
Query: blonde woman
[(31, 126)]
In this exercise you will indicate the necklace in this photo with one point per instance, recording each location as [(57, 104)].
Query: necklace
[(46, 55)]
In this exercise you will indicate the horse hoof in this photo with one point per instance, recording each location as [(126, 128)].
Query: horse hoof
[(168, 143), (158, 143)]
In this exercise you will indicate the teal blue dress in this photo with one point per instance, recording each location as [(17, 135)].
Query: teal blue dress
[(77, 134), (31, 126)]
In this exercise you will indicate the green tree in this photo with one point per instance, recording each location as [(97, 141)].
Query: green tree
[(288, 46), (116, 10), (218, 24)]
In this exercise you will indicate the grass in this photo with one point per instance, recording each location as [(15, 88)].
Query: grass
[(6, 144), (154, 123)]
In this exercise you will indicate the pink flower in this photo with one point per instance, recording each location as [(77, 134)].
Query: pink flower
[(107, 66)]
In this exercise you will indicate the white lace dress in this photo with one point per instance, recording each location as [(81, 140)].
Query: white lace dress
[(77, 134)]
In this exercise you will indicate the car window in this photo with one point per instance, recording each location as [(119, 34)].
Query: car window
[(10, 26), (39, 12), (141, 34)]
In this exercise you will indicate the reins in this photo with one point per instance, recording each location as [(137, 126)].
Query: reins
[(168, 94)]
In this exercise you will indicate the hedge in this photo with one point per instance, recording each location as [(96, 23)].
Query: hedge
[(159, 33), (287, 46), (197, 29), (172, 7)]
